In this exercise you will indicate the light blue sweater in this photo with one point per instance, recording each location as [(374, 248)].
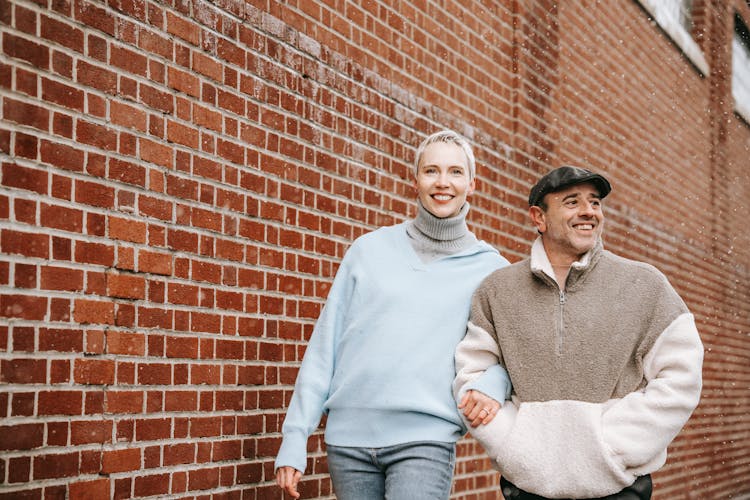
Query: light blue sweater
[(380, 361)]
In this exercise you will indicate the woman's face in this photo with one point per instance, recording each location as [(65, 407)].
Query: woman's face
[(443, 179)]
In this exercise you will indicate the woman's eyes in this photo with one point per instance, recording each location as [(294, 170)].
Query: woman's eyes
[(454, 171)]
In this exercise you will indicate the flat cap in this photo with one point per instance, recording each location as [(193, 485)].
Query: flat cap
[(563, 177)]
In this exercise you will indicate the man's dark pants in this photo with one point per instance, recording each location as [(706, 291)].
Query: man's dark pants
[(639, 490)]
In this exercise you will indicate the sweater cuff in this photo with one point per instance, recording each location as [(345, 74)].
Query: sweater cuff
[(293, 452), (493, 382)]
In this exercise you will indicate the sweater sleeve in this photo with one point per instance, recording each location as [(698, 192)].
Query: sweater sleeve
[(479, 362), (313, 382), (639, 427), (479, 366)]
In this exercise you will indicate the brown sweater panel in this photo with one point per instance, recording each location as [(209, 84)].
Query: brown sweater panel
[(588, 346)]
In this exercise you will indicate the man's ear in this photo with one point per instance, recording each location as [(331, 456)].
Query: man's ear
[(538, 218)]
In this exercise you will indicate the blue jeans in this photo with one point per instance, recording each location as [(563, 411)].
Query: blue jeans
[(409, 471)]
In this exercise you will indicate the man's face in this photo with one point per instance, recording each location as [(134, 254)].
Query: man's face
[(443, 179), (571, 224)]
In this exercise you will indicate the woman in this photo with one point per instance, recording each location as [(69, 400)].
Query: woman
[(380, 360)]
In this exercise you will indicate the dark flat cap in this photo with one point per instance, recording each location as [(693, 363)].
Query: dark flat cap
[(563, 177)]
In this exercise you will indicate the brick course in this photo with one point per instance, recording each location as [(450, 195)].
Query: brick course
[(179, 181)]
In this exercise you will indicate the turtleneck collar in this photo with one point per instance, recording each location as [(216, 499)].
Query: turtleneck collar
[(447, 229), (432, 237)]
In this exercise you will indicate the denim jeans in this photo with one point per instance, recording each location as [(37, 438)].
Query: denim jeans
[(409, 471)]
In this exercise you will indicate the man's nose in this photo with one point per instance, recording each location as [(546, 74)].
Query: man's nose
[(586, 208)]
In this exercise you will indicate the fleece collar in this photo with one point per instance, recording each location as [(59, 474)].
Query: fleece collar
[(540, 264)]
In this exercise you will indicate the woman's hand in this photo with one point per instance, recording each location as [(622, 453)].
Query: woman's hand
[(478, 408), (287, 479)]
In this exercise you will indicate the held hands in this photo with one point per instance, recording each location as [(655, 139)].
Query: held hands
[(287, 479), (478, 408)]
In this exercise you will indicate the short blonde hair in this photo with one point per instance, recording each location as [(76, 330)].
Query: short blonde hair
[(451, 137)]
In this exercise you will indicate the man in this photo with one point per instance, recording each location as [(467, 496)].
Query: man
[(603, 356)]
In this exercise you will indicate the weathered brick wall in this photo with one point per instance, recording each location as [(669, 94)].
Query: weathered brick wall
[(178, 182)]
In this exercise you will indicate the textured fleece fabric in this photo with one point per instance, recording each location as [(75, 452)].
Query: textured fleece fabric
[(604, 373), (380, 360)]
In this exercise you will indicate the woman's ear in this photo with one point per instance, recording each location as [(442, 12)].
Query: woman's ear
[(472, 186), (538, 218)]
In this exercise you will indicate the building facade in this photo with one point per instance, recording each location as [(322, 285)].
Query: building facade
[(179, 181)]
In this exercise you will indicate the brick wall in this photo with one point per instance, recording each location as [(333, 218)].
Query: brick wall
[(179, 180)]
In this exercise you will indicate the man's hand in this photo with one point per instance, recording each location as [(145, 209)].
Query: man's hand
[(287, 479), (478, 408)]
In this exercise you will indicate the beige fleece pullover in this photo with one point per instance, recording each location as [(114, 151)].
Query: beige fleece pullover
[(604, 373)]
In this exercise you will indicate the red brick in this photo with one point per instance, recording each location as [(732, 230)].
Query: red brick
[(179, 293), (96, 224), (62, 156), (229, 400), (153, 152), (205, 374), (203, 479), (96, 283), (29, 179), (126, 229), (94, 253), (22, 404), (86, 432), (127, 172), (27, 244), (182, 453), (63, 218), (154, 262), (21, 436), (126, 286), (56, 466), (23, 306), (154, 374), (60, 403), (205, 427), (205, 322), (206, 271), (94, 193), (94, 371), (153, 429), (17, 47), (150, 485), (25, 276), (26, 146), (23, 371), (61, 278), (93, 312), (123, 401), (19, 471), (182, 347), (96, 135), (94, 342), (125, 343), (122, 460), (154, 318), (61, 340), (90, 490), (59, 372), (62, 94), (26, 211), (182, 134)]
